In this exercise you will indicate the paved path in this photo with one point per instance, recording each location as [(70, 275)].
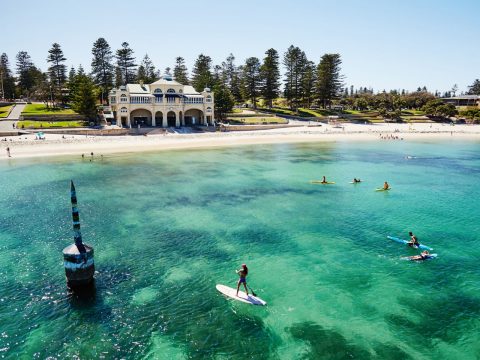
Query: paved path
[(7, 124), (16, 111)]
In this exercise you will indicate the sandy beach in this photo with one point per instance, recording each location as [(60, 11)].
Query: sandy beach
[(25, 146)]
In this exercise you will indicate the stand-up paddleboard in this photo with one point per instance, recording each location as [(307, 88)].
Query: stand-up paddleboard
[(232, 293), (428, 257), (382, 189), (321, 182), (405, 242)]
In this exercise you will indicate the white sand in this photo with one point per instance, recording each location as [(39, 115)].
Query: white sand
[(26, 146)]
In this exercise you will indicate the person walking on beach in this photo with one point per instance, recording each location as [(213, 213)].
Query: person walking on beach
[(413, 240), (386, 186), (8, 152), (243, 272)]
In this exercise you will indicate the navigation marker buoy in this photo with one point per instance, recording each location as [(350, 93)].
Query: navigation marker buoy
[(78, 257)]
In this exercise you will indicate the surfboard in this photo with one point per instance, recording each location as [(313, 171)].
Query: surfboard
[(232, 294), (382, 189), (401, 241), (355, 182), (322, 183)]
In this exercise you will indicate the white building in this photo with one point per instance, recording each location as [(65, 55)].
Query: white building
[(164, 103)]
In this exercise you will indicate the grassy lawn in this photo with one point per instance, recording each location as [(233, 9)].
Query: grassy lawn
[(50, 124), (246, 115), (285, 111), (41, 109), (303, 112), (413, 112), (257, 120), (4, 111)]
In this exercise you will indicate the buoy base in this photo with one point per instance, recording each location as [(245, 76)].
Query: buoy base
[(79, 266)]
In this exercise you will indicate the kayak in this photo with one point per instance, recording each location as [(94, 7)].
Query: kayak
[(321, 182), (405, 242), (428, 257), (382, 189), (243, 297)]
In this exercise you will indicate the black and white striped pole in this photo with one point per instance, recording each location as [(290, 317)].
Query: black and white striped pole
[(78, 257)]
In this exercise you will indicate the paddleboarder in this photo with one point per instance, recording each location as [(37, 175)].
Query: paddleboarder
[(386, 186), (242, 272), (413, 240), (324, 180)]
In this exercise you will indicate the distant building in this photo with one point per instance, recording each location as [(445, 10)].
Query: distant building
[(164, 103), (463, 100)]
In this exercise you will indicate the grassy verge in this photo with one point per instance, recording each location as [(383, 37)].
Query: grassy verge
[(285, 111), (4, 110), (302, 112), (247, 115), (41, 109), (257, 120), (26, 124)]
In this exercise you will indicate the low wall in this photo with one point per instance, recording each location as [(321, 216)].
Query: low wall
[(92, 132), (255, 127), (53, 118), (10, 133)]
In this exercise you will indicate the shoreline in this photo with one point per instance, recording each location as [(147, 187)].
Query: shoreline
[(25, 146)]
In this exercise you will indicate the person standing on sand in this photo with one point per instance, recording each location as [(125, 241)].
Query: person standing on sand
[(8, 152), (243, 272)]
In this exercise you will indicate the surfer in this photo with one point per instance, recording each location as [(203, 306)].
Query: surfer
[(413, 240), (423, 256), (243, 272), (324, 180), (355, 180), (386, 186)]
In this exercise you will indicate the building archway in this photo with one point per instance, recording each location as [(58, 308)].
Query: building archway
[(142, 117), (193, 117), (159, 118), (171, 119)]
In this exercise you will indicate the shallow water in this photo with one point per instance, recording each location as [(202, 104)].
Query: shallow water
[(168, 226)]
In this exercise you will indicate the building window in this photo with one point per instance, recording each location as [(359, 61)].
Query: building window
[(170, 91), (180, 91), (113, 100), (123, 110), (157, 91), (123, 98), (209, 98), (209, 109)]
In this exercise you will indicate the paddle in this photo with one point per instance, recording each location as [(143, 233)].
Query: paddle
[(253, 292)]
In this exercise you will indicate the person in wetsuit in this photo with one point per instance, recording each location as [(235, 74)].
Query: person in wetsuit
[(423, 256)]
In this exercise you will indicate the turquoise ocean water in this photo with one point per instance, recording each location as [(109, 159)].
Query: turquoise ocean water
[(167, 227)]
